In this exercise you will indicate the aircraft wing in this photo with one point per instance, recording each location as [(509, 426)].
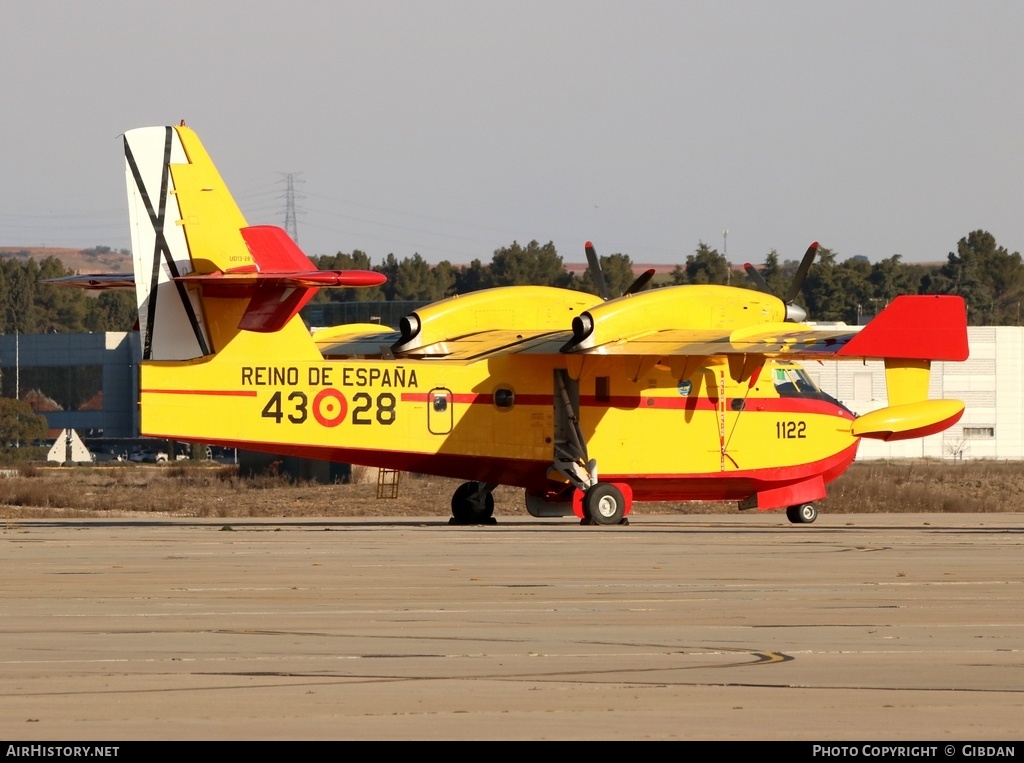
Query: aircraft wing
[(912, 327), (789, 340), (481, 344), (355, 340), (372, 342), (785, 339), (490, 322), (923, 327)]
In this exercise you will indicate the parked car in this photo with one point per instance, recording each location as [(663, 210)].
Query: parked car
[(148, 457)]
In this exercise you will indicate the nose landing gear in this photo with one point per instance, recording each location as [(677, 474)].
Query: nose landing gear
[(604, 504)]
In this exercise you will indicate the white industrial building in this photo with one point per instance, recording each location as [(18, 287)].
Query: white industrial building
[(989, 383)]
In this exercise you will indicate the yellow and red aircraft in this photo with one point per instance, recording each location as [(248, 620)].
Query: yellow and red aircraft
[(587, 403)]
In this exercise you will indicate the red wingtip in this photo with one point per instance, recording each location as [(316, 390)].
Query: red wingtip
[(746, 265), (588, 245), (814, 245), (922, 327)]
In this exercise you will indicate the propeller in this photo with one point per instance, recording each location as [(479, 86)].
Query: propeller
[(794, 312), (595, 271), (594, 262), (641, 281)]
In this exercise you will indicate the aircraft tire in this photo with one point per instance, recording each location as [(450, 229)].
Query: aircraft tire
[(604, 504), (803, 514), (469, 507)]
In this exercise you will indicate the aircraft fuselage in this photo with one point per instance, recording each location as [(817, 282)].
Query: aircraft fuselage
[(500, 420)]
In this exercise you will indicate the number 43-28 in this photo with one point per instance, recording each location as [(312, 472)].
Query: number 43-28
[(366, 409)]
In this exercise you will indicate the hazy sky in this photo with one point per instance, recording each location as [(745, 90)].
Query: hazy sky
[(453, 128)]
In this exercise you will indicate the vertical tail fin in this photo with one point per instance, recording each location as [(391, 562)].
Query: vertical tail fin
[(194, 254), (202, 274), (165, 212)]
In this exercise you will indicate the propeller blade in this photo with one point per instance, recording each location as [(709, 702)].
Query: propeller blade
[(757, 278), (641, 281), (801, 273), (595, 271)]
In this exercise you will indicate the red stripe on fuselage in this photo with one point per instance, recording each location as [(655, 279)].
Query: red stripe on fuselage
[(207, 392), (633, 402)]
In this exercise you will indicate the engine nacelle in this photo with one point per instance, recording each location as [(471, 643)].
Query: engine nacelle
[(693, 307), (514, 308)]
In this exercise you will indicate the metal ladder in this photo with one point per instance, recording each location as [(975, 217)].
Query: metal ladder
[(387, 482)]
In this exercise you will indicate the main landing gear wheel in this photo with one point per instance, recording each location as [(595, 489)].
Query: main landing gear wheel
[(803, 514), (604, 504), (472, 504)]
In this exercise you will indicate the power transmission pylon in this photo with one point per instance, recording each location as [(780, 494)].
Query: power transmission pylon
[(290, 224)]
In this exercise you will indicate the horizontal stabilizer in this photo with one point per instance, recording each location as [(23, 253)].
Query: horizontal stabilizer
[(279, 282), (279, 262), (273, 251), (96, 281), (231, 282)]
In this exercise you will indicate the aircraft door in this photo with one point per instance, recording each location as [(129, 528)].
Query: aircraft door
[(440, 413)]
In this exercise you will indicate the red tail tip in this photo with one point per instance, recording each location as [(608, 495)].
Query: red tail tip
[(588, 245)]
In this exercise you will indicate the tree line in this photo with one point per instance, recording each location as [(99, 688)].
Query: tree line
[(990, 278)]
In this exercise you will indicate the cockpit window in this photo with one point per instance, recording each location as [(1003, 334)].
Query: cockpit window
[(794, 382)]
